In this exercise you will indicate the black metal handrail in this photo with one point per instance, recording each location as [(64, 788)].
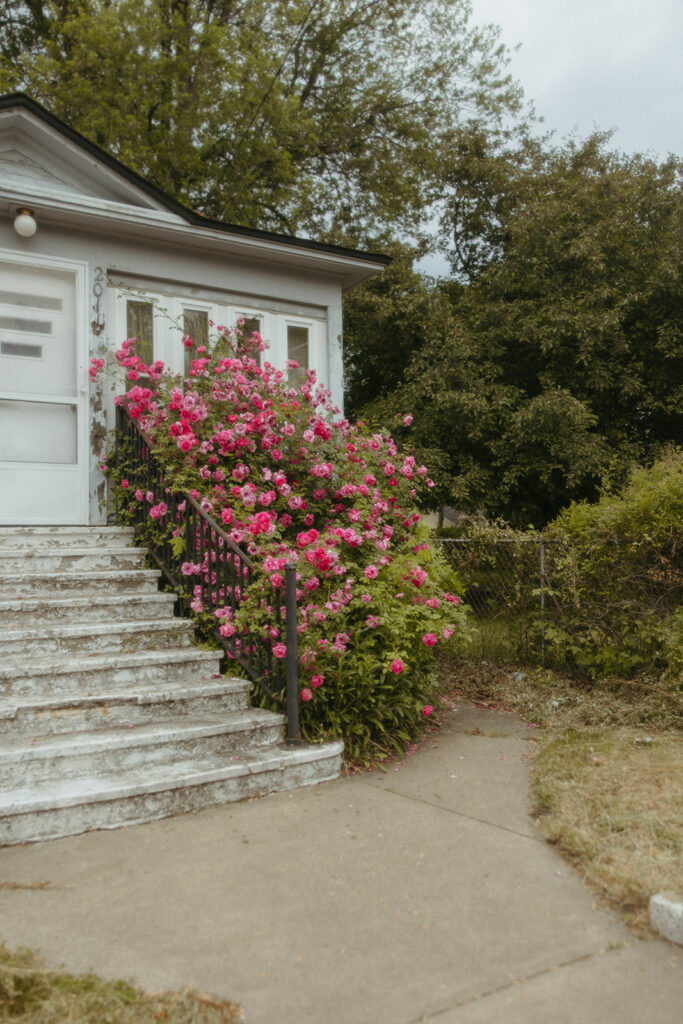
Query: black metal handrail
[(223, 571)]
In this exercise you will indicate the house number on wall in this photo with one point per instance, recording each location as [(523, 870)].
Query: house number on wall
[(97, 325)]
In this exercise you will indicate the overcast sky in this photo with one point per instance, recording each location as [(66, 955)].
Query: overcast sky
[(596, 63), (611, 63)]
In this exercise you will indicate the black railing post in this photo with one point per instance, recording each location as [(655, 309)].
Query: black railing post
[(292, 657)]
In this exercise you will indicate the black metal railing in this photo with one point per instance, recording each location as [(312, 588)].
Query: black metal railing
[(217, 570)]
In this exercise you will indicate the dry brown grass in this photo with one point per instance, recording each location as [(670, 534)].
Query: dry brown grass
[(556, 701), (613, 803), (607, 779), (29, 994)]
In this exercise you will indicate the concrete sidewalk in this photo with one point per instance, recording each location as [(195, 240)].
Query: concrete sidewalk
[(425, 894)]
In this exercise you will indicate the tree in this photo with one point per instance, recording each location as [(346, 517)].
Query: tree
[(588, 293), (560, 364), (329, 117), (386, 321)]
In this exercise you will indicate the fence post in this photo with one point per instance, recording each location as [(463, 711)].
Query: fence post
[(292, 662), (542, 593)]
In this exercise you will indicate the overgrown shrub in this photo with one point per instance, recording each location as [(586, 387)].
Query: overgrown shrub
[(617, 580), (292, 484)]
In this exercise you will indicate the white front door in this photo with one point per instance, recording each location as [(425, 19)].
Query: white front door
[(43, 458)]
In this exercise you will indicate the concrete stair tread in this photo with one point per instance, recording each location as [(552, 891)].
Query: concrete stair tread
[(12, 668), (37, 604), (156, 778), (97, 733), (64, 531), (79, 576), (139, 693), (77, 629), (153, 734), (35, 554)]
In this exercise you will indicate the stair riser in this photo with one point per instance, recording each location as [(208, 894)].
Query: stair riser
[(44, 722), (180, 635), (104, 680), (46, 613), (69, 561), (133, 582), (28, 771), (44, 538), (140, 808)]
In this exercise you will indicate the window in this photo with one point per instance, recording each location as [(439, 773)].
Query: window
[(160, 320), (140, 325), (297, 350), (196, 326)]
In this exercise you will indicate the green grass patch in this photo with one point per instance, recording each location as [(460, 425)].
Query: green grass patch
[(30, 994)]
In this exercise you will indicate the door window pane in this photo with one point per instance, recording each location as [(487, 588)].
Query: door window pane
[(21, 323), (297, 349), (37, 332), (251, 324), (37, 432), (14, 348), (32, 301), (196, 326), (140, 325)]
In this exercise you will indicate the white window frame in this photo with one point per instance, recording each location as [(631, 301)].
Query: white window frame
[(167, 337)]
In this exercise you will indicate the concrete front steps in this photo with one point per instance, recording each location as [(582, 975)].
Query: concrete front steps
[(109, 715)]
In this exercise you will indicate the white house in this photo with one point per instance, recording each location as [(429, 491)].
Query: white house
[(90, 254)]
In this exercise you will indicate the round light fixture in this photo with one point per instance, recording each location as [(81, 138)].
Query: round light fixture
[(25, 223)]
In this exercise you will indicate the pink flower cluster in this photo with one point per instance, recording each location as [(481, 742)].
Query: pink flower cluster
[(294, 484)]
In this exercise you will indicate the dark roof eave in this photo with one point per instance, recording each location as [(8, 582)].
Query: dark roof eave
[(20, 99)]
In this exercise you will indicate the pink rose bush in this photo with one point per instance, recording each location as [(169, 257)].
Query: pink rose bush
[(292, 483)]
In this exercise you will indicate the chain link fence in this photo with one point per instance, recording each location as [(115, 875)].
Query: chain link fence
[(602, 607), (506, 586)]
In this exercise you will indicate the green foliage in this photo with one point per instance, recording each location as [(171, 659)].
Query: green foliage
[(618, 578), (386, 320), (376, 710), (329, 118), (553, 363)]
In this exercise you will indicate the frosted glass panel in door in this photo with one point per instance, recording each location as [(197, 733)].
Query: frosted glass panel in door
[(37, 338), (55, 441)]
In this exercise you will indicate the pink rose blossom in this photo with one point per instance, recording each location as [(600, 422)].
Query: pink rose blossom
[(306, 694), (396, 666), (427, 710), (429, 639)]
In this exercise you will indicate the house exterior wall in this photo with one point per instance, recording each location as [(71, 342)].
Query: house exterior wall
[(116, 261)]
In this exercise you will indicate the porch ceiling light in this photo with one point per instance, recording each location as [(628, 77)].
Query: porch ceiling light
[(25, 223)]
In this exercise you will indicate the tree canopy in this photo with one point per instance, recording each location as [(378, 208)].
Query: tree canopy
[(553, 360), (322, 117)]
